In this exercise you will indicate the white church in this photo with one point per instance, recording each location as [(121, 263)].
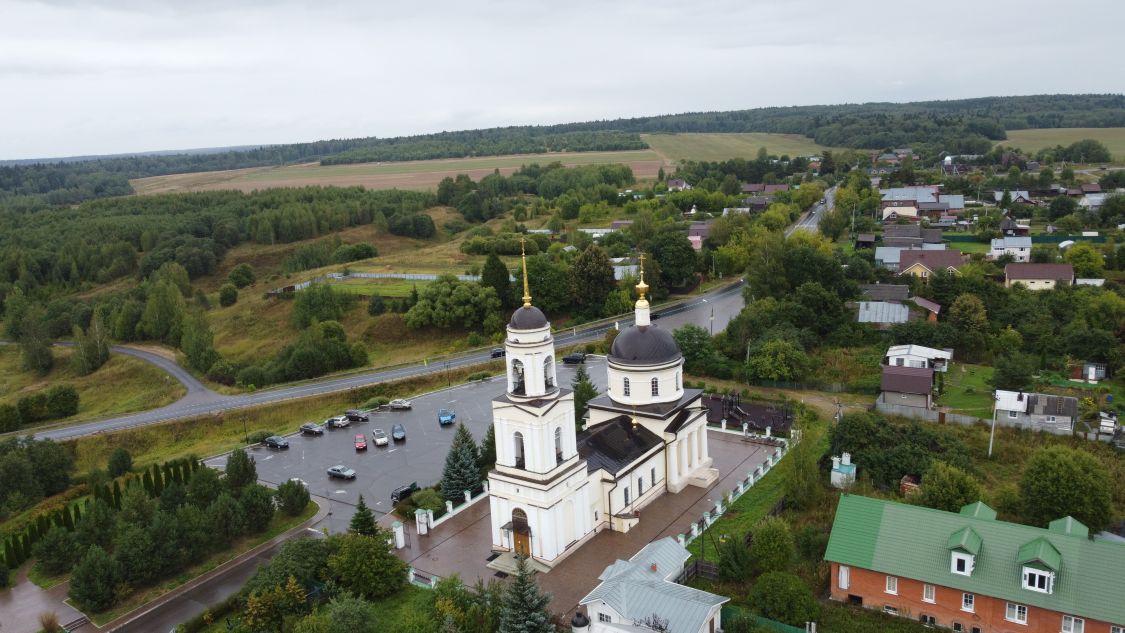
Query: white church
[(553, 489)]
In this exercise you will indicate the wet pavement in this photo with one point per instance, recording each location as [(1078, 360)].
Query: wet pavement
[(21, 605)]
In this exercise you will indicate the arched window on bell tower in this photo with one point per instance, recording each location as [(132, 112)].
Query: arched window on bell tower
[(517, 440), (558, 446), (549, 373), (516, 380)]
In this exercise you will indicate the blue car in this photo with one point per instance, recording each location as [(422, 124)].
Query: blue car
[(446, 416)]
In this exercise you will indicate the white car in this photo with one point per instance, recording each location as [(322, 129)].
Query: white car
[(379, 436), (337, 422), (400, 404)]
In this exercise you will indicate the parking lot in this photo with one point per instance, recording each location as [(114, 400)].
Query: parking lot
[(380, 469)]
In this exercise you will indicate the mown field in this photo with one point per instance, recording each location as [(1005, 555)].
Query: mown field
[(137, 385), (423, 174), (677, 147), (1040, 138)]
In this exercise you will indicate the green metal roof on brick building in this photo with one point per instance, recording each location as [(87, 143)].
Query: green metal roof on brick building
[(914, 542)]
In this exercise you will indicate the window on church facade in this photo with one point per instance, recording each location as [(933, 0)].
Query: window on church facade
[(626, 495), (558, 446), (518, 441), (656, 386), (640, 486), (549, 372), (625, 386)]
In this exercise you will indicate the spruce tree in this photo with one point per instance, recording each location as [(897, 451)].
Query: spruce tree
[(94, 580), (240, 471), (461, 471), (487, 457), (363, 521), (524, 607), (584, 392), (495, 275)]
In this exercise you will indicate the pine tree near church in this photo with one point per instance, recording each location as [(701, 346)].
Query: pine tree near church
[(461, 471), (363, 521), (584, 392), (524, 607)]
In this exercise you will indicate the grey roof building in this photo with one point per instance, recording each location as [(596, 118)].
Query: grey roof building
[(882, 313), (893, 293), (643, 586)]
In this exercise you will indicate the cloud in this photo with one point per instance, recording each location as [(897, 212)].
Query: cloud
[(101, 76)]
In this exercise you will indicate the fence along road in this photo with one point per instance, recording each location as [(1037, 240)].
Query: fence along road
[(712, 310)]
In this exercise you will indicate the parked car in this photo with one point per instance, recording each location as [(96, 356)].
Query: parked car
[(654, 316), (403, 492), (446, 416), (380, 437), (497, 352), (400, 404), (337, 422), (575, 358), (312, 428), (398, 433), (355, 415), (276, 441), (339, 471), (360, 442)]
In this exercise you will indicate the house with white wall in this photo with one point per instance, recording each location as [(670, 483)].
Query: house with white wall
[(1037, 411), (918, 356), (1018, 246)]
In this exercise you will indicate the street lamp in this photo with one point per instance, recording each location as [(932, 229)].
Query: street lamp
[(992, 433)]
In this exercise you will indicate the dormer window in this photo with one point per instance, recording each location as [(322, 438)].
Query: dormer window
[(1038, 580), (962, 563)]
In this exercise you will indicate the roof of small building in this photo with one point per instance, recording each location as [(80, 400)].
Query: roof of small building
[(933, 260), (919, 350), (1011, 241), (1039, 271), (634, 590), (928, 305), (885, 292), (902, 230), (912, 541), (882, 312), (955, 201), (888, 254), (918, 380)]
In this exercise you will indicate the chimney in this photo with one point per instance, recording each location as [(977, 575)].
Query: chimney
[(846, 459), (835, 463), (652, 567)]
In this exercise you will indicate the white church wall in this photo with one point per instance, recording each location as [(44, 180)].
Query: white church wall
[(669, 380)]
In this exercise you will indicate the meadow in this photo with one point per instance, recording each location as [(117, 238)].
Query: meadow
[(1042, 138), (676, 147)]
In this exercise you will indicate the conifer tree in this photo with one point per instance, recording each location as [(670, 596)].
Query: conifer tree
[(461, 471), (240, 471), (524, 608), (363, 521), (487, 457), (584, 392)]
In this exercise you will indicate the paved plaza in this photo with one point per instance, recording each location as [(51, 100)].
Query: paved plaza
[(463, 544)]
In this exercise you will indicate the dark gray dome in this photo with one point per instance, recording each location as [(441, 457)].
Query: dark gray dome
[(528, 318), (644, 346)]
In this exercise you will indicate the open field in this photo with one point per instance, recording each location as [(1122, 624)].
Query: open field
[(1040, 138), (967, 390), (677, 147), (423, 174), (137, 385)]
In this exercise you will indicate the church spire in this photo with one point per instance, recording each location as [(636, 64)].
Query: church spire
[(526, 292), (642, 313)]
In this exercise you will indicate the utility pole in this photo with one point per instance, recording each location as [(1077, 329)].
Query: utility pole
[(992, 433)]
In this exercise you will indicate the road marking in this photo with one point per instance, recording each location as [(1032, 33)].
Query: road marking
[(340, 492)]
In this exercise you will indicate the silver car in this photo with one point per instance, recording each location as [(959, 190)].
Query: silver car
[(340, 471), (379, 436)]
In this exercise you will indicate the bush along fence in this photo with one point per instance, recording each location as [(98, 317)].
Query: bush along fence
[(736, 619), (424, 521), (18, 547)]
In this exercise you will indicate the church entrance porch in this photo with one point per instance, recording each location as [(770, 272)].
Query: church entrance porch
[(520, 533)]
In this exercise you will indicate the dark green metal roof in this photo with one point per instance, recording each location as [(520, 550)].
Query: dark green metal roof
[(912, 542)]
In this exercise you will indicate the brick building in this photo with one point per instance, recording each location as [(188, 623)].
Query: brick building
[(969, 572)]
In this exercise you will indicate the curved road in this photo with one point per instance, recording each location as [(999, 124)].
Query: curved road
[(711, 311)]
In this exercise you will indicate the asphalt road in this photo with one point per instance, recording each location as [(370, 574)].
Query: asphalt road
[(381, 469), (712, 310), (811, 220)]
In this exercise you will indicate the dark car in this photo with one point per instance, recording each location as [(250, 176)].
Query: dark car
[(497, 352), (403, 492), (312, 428), (355, 415), (654, 316), (276, 441), (340, 471), (398, 433), (575, 358)]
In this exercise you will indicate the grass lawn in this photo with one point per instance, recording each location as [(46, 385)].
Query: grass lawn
[(1041, 138), (732, 145), (280, 524), (970, 247), (137, 385), (858, 367), (967, 390), (42, 580), (385, 287), (742, 515)]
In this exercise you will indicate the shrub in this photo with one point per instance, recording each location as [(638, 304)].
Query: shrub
[(222, 372), (62, 401), (241, 275), (428, 499), (253, 376), (292, 498), (258, 437), (120, 462), (3, 575), (772, 548), (376, 402), (9, 418), (228, 295), (782, 596)]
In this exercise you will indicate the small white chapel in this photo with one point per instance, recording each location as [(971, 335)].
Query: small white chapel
[(553, 489)]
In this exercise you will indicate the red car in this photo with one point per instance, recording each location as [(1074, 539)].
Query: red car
[(360, 442)]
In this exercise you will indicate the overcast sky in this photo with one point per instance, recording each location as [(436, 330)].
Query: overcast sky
[(109, 76)]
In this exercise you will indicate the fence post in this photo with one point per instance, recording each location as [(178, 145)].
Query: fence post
[(468, 496), (420, 521), (448, 508), (410, 574), (399, 533)]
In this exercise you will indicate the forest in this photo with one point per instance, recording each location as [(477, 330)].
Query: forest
[(966, 126)]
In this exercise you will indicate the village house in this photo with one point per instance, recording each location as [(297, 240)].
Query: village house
[(633, 591), (967, 571), (677, 184), (1018, 196), (1037, 411), (1018, 247), (1010, 227), (865, 240), (1038, 276), (918, 356), (932, 308), (698, 233), (907, 386), (893, 293), (925, 264)]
